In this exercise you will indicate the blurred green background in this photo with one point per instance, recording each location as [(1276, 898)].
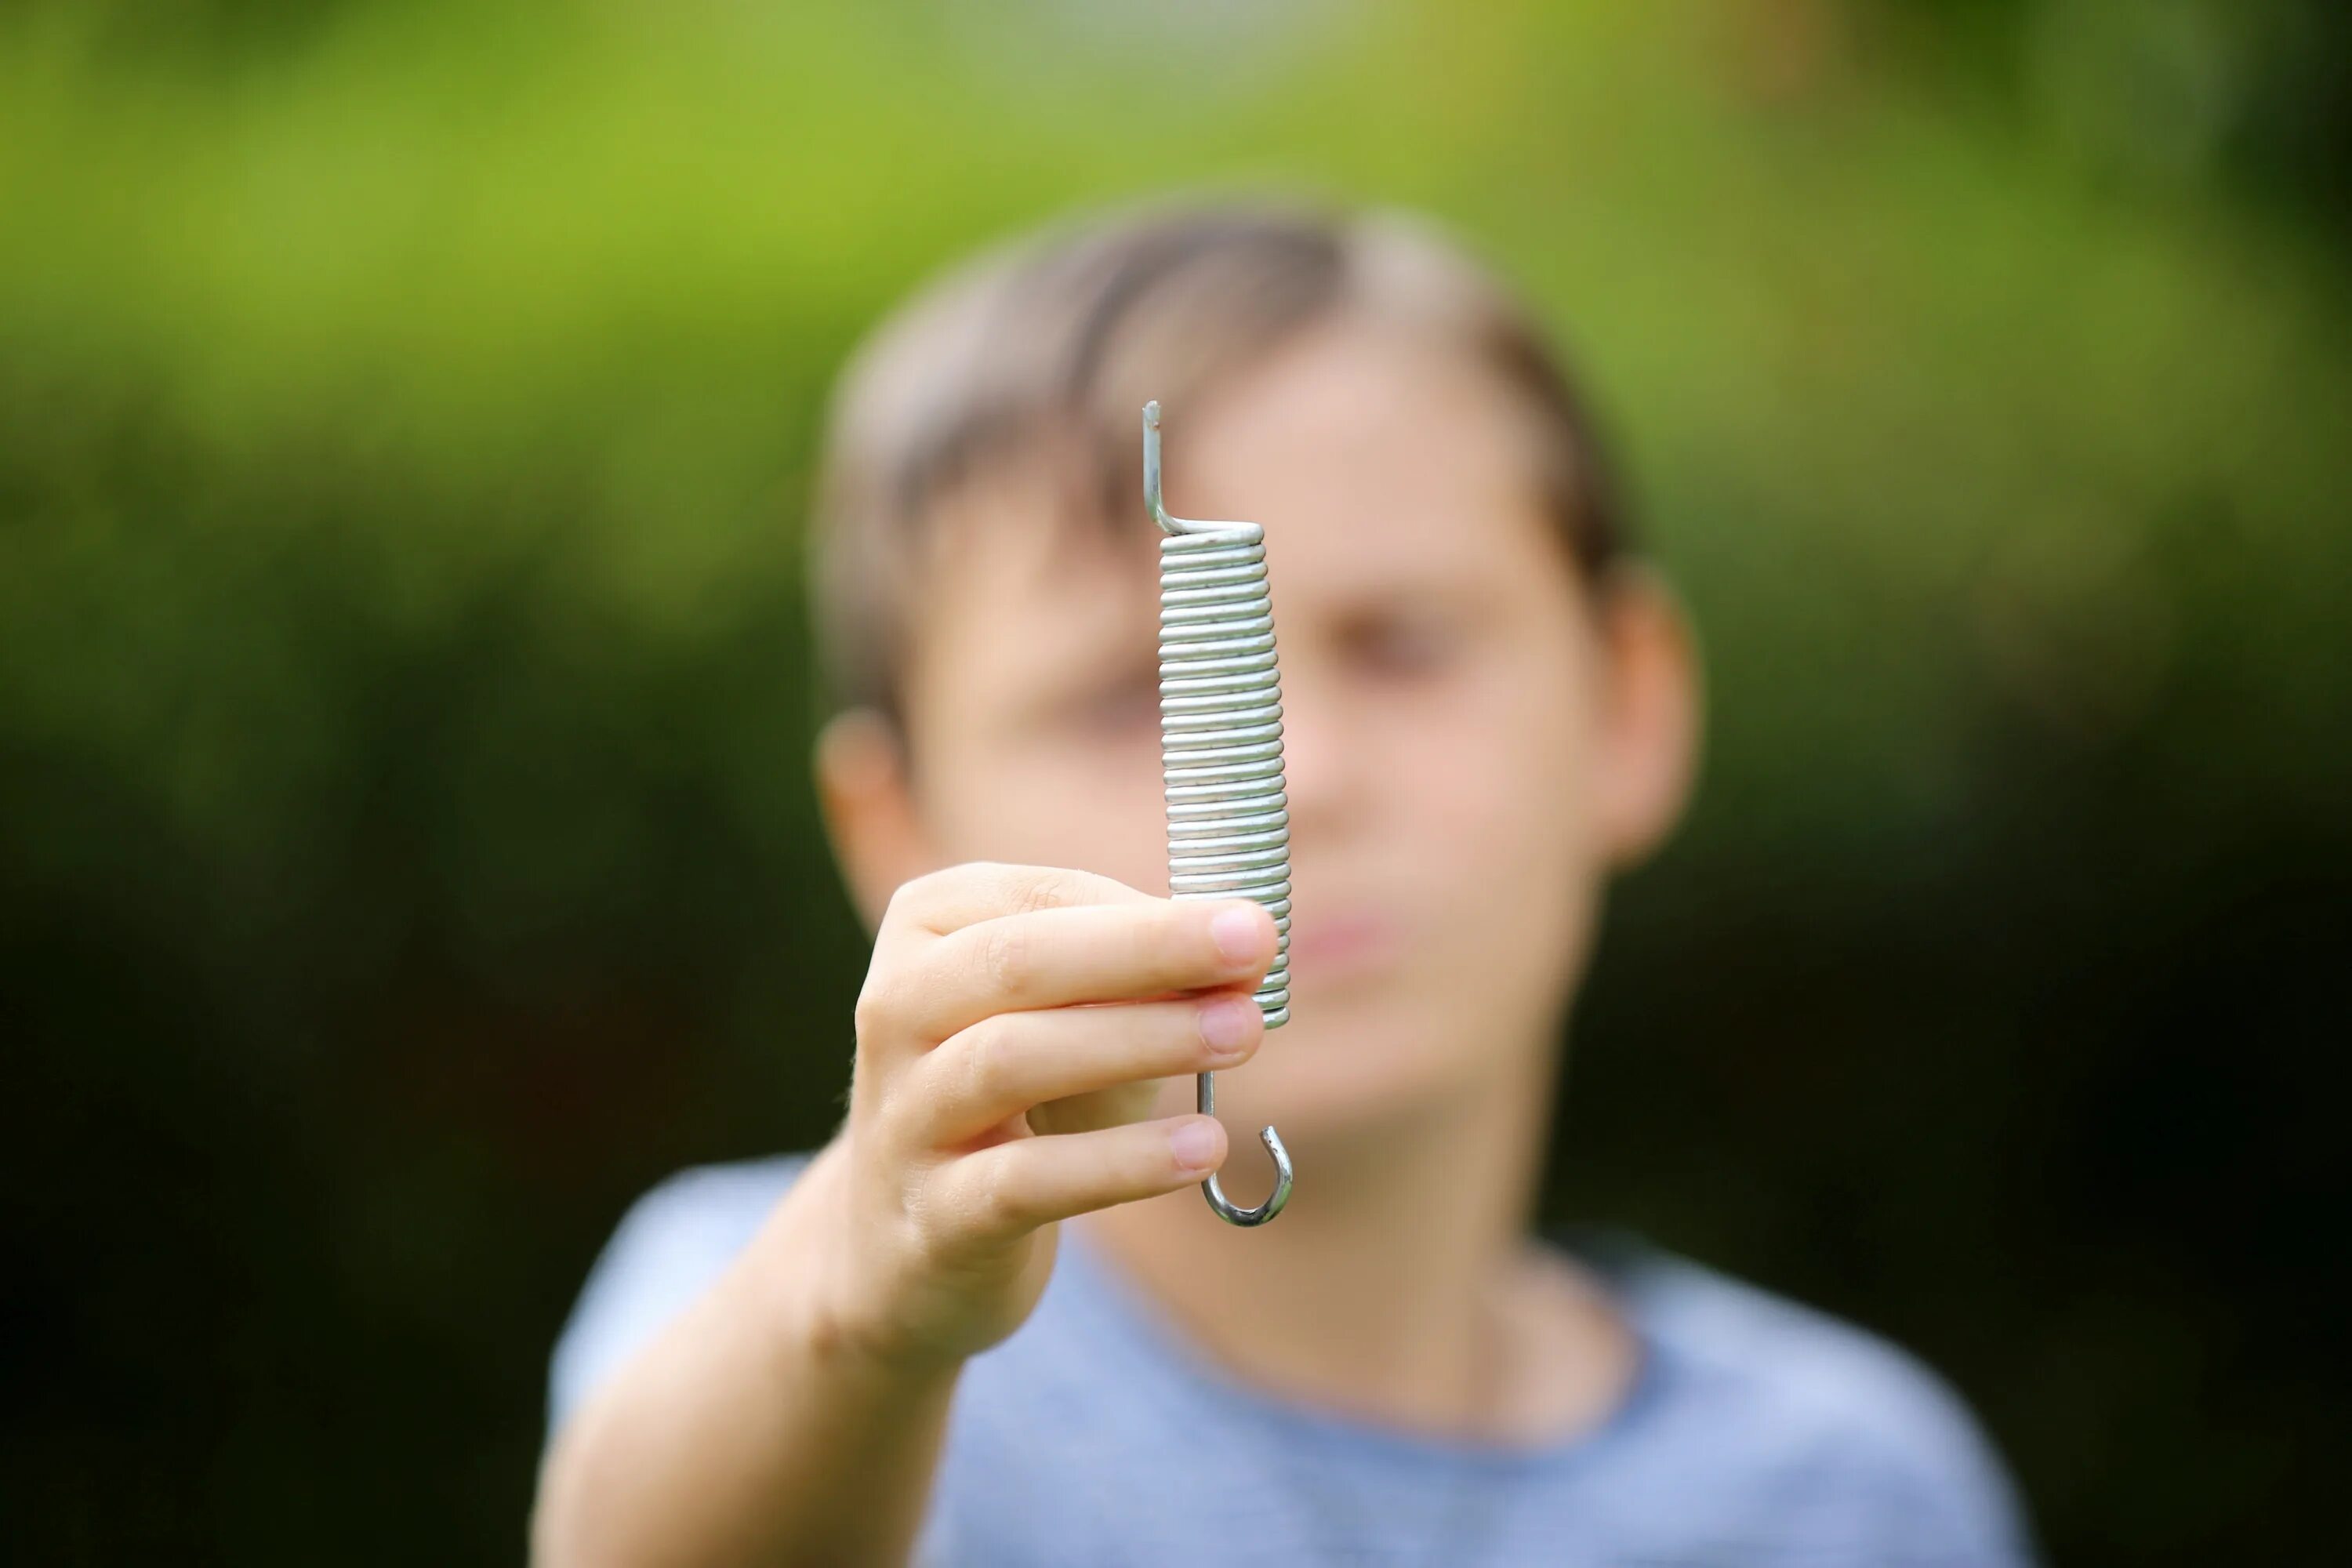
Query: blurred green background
[(404, 419)]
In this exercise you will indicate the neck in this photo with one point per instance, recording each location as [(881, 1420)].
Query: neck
[(1399, 1266)]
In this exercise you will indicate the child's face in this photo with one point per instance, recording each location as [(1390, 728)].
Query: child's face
[(1469, 741)]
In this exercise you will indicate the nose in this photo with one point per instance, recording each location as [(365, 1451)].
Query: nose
[(1320, 767)]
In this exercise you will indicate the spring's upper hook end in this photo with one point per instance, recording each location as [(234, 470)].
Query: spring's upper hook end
[(1151, 467), (1232, 1213)]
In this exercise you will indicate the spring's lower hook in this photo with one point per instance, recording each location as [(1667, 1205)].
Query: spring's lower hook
[(1221, 752), (1227, 1210)]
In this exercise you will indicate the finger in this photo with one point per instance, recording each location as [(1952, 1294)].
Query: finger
[(1004, 1064), (1003, 1192), (957, 896), (1102, 952)]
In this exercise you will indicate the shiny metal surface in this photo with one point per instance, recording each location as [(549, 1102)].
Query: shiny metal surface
[(1221, 751)]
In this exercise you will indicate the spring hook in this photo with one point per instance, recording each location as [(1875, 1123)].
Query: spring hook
[(1221, 752)]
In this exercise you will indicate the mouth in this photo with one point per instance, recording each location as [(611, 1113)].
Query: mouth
[(1348, 944)]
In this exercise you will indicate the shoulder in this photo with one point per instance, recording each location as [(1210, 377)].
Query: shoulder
[(670, 1244), (707, 1205), (1836, 1407)]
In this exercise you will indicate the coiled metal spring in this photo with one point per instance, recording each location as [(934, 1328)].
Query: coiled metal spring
[(1221, 751)]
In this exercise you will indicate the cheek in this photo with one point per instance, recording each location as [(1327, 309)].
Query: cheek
[(1093, 808), (1505, 788), (1510, 771)]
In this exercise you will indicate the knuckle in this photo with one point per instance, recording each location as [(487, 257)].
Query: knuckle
[(992, 879), (905, 901), (995, 1206), (1004, 886), (877, 1002), (987, 1065), (1006, 955), (1036, 888), (958, 1213), (913, 898)]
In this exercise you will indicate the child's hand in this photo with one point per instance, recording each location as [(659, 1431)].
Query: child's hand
[(993, 1096)]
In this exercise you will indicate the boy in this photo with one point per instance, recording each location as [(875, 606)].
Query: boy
[(990, 1322)]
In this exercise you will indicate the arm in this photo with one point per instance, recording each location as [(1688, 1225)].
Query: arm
[(794, 1412), (750, 1430)]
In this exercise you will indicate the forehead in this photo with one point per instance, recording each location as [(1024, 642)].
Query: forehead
[(1370, 452), (1376, 461), (1019, 578)]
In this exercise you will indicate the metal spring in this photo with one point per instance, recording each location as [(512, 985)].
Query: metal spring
[(1221, 751)]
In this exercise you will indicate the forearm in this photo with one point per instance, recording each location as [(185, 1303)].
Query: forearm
[(747, 1434)]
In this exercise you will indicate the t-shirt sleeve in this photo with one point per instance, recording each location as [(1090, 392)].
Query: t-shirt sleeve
[(1865, 1436), (669, 1247), (1945, 1479), (1931, 1476)]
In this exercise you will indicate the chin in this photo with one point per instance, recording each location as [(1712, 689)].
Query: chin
[(1355, 1067)]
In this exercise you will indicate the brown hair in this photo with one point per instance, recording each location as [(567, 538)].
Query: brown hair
[(1048, 345)]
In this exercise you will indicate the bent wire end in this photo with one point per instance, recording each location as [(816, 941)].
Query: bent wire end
[(1226, 1209), (1151, 498), (1151, 467)]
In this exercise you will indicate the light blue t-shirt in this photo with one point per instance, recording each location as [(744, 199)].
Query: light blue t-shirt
[(1098, 1435)]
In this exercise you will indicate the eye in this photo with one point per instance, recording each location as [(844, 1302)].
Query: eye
[(1409, 643), (1129, 701)]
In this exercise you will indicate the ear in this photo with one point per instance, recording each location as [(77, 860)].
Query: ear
[(865, 790), (1650, 714)]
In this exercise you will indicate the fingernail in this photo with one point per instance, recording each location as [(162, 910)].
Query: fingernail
[(1236, 933), (1226, 1024), (1194, 1144)]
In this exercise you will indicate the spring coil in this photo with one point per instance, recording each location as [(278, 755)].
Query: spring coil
[(1221, 752), (1220, 734)]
